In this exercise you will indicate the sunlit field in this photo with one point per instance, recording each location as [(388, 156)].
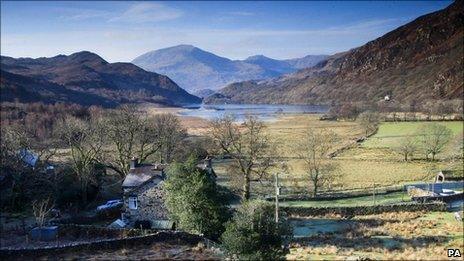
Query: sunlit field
[(362, 164), (390, 134), (387, 236)]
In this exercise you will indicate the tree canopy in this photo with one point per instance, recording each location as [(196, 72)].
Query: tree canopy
[(194, 201)]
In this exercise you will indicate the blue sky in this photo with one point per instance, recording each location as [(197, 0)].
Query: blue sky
[(120, 31)]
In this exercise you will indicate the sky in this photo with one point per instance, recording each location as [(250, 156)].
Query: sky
[(120, 31)]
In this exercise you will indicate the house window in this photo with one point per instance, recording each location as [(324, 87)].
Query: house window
[(132, 202)]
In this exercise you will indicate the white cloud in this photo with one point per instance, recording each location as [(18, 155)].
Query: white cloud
[(147, 12), (78, 14)]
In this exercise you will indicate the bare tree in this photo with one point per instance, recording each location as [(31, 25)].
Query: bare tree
[(248, 145), (17, 138), (170, 134), (369, 121), (314, 150), (85, 142), (407, 147), (41, 209), (434, 137), (129, 133)]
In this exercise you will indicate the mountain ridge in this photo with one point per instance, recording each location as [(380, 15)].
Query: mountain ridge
[(88, 74), (195, 69), (421, 60)]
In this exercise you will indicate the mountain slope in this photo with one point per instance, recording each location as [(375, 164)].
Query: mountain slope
[(306, 62), (195, 69), (277, 66), (422, 60), (85, 73), (24, 89)]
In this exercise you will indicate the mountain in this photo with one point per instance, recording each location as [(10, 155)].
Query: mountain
[(195, 69), (204, 93), (306, 62), (419, 61), (86, 78), (277, 66)]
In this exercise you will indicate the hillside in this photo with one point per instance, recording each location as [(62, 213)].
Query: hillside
[(86, 78), (422, 60), (195, 69)]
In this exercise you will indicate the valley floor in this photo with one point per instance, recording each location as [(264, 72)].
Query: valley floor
[(359, 165)]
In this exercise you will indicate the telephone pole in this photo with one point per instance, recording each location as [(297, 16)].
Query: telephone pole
[(277, 193)]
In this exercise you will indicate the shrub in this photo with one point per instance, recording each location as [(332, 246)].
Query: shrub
[(193, 201), (253, 233)]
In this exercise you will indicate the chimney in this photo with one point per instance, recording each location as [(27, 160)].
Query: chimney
[(208, 163), (133, 163)]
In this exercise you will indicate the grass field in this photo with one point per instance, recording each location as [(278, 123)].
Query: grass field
[(387, 236), (288, 131), (373, 161), (390, 134)]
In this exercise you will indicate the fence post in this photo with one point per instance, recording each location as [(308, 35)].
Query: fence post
[(373, 193)]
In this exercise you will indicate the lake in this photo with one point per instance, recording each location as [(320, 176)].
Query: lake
[(265, 112)]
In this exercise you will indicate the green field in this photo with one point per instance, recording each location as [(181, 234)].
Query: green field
[(390, 134), (391, 198), (373, 161)]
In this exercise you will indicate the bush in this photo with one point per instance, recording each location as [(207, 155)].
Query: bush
[(193, 200), (253, 233)]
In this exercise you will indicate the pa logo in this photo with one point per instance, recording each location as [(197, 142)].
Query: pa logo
[(454, 252)]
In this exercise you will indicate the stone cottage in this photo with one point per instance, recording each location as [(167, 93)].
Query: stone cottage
[(143, 194)]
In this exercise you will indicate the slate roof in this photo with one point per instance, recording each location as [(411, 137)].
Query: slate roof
[(142, 174), (28, 157)]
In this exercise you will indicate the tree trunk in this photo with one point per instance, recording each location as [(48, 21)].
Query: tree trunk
[(315, 185), (433, 156), (246, 187), (405, 157), (84, 193)]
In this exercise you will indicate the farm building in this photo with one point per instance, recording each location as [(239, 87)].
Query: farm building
[(143, 195)]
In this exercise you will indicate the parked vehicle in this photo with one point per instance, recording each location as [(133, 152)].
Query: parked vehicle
[(117, 203)]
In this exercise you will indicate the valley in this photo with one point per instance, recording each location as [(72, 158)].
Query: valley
[(164, 131)]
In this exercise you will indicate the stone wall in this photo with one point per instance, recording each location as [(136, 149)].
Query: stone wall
[(150, 203), (164, 236), (363, 210), (340, 194)]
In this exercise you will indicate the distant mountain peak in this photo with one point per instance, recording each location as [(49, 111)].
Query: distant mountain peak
[(83, 56), (184, 46), (196, 69), (178, 48), (258, 57)]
